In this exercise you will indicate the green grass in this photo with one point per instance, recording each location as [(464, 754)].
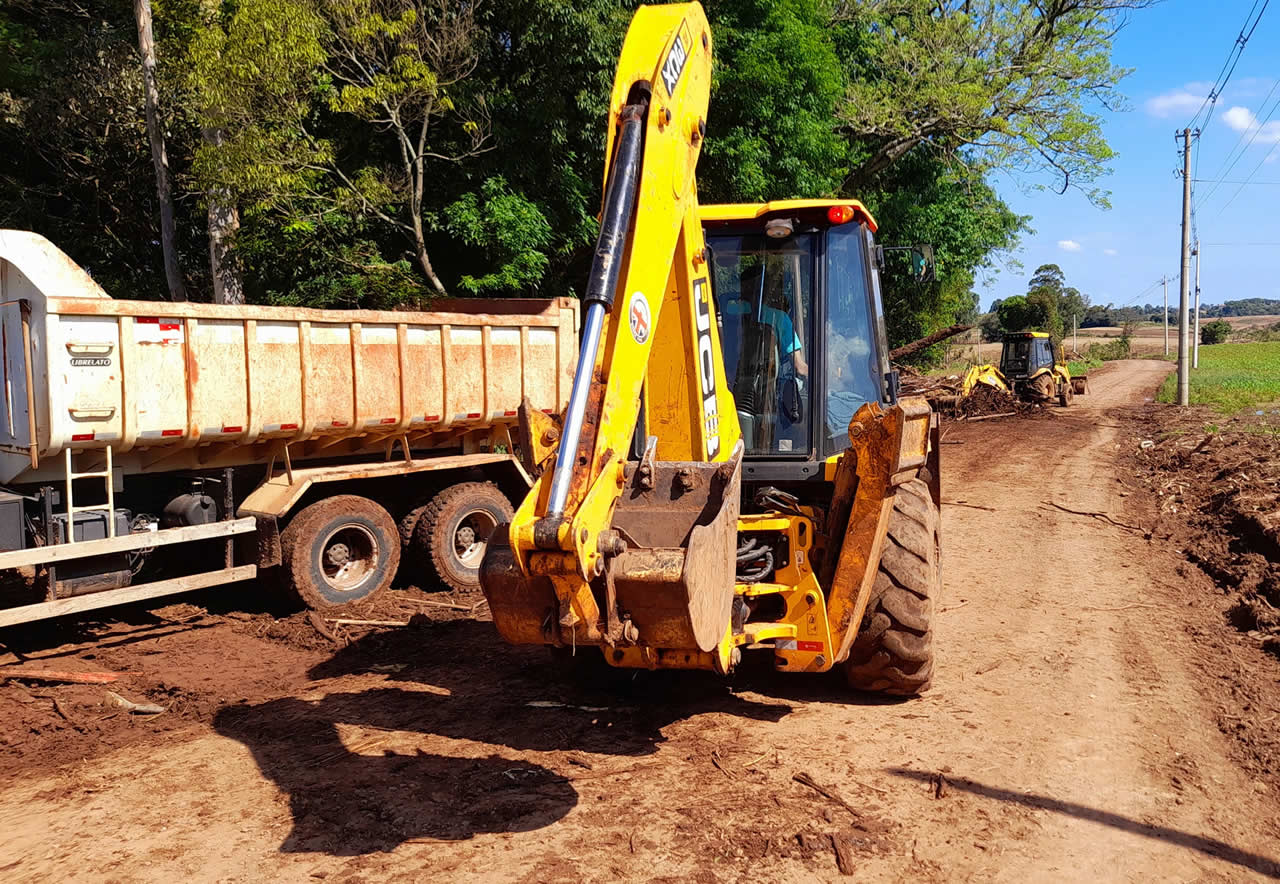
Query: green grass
[(1083, 366), (1231, 377)]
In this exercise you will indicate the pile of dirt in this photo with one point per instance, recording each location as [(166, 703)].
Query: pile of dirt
[(1214, 493), (1219, 496), (191, 660)]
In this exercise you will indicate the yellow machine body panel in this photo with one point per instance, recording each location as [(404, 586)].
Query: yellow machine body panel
[(631, 539)]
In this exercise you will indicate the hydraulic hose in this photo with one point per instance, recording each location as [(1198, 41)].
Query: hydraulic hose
[(619, 205)]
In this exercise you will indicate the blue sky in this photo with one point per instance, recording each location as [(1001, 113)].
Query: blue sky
[(1175, 50)]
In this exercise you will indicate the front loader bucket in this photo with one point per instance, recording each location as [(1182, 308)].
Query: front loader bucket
[(676, 579), (674, 582), (1080, 384)]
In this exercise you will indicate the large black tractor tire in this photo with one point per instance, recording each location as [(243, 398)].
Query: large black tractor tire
[(339, 551), (453, 530), (1043, 388), (893, 653)]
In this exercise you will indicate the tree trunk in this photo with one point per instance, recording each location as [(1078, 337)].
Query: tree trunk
[(420, 252), (927, 341), (164, 187), (224, 221)]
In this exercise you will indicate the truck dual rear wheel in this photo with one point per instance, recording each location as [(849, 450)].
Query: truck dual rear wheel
[(453, 530), (340, 550), (893, 653)]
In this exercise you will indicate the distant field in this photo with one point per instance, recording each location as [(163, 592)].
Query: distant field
[(1148, 338), (1232, 377)]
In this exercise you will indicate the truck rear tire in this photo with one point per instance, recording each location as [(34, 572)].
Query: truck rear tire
[(339, 551), (454, 529), (893, 653), (411, 569)]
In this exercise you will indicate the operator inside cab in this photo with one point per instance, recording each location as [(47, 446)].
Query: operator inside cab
[(763, 302), (799, 367)]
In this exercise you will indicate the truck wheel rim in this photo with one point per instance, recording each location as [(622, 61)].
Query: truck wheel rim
[(471, 536), (348, 557)]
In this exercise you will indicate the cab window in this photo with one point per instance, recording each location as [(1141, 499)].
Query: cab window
[(1015, 356), (852, 362), (764, 297)]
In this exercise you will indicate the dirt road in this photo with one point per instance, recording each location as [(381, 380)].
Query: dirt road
[(1071, 733)]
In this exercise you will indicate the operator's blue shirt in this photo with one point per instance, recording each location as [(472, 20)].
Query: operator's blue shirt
[(779, 320)]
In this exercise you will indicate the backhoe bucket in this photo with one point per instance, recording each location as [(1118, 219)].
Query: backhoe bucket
[(674, 582)]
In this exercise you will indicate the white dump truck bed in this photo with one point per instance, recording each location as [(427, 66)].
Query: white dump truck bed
[(194, 385)]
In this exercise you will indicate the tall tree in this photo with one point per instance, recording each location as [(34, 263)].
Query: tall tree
[(223, 209), (397, 64), (1049, 282), (164, 183), (993, 83)]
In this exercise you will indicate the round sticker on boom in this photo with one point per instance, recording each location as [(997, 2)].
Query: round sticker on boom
[(638, 316)]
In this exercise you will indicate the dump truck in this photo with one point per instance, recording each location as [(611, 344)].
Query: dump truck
[(735, 470), (148, 448)]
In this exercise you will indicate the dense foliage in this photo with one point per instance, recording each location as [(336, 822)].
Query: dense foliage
[(1244, 307), (1050, 305), (1216, 332), (380, 151)]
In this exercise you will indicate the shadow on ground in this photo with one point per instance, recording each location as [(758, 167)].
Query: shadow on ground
[(1210, 846), (455, 680)]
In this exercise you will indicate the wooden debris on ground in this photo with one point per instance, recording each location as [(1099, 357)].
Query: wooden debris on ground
[(111, 698), (805, 780), (27, 674)]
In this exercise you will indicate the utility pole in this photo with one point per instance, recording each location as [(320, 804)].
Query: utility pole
[(1165, 280), (1075, 345), (1195, 345), (1184, 287)]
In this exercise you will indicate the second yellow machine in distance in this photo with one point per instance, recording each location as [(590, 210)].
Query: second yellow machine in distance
[(735, 469), (1030, 369)]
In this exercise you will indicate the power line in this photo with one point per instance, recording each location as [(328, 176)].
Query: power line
[(1246, 180), (1229, 181), (1143, 293), (1256, 128), (1229, 66)]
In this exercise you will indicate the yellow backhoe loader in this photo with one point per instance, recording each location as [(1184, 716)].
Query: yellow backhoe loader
[(735, 469), (1030, 369)]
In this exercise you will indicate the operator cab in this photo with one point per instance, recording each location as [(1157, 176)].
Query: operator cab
[(1022, 354), (797, 293)]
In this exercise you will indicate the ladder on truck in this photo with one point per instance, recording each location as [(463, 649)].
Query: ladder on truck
[(70, 537), (51, 554), (109, 506)]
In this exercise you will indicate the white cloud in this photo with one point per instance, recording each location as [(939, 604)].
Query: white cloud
[(1250, 87), (1178, 102), (1111, 252), (1243, 120), (1069, 245)]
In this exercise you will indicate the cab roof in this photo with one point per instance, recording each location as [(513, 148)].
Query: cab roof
[(1030, 334), (753, 211)]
